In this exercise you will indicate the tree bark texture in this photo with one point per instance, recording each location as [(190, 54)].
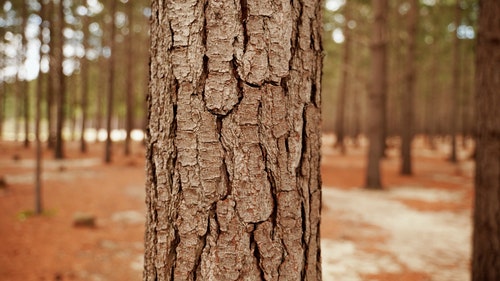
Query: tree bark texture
[(409, 92), (486, 238), (233, 141), (377, 93)]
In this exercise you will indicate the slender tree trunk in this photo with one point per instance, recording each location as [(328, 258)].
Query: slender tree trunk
[(455, 84), (3, 88), (486, 243), (38, 109), (24, 83), (85, 82), (343, 87), (376, 100), (2, 105), (99, 98), (17, 107), (59, 84), (51, 108), (233, 183), (409, 93), (130, 78), (111, 88)]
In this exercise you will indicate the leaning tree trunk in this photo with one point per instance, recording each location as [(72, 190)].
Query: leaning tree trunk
[(486, 241), (233, 152)]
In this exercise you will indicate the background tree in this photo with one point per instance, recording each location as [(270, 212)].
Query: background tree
[(111, 84), (129, 118), (344, 82), (84, 72), (38, 114), (233, 184), (24, 84), (409, 93), (454, 89), (486, 249), (58, 83), (376, 99)]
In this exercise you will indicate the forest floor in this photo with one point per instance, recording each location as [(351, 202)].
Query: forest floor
[(418, 228)]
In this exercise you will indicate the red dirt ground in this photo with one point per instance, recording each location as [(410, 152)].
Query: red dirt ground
[(49, 247)]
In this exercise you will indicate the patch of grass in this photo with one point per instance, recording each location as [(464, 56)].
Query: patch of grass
[(26, 214)]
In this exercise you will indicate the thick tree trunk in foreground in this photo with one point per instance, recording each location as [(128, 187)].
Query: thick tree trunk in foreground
[(376, 96), (486, 241), (233, 183)]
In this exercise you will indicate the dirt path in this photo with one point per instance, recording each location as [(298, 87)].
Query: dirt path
[(417, 229)]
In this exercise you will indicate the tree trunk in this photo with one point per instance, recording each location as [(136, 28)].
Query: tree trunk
[(455, 84), (2, 106), (101, 88), (24, 83), (409, 93), (111, 87), (233, 183), (341, 104), (85, 81), (486, 243), (129, 118), (50, 104), (376, 99), (38, 109), (58, 81)]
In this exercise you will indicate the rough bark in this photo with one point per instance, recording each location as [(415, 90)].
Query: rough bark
[(486, 238), (233, 183), (376, 96), (409, 92)]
